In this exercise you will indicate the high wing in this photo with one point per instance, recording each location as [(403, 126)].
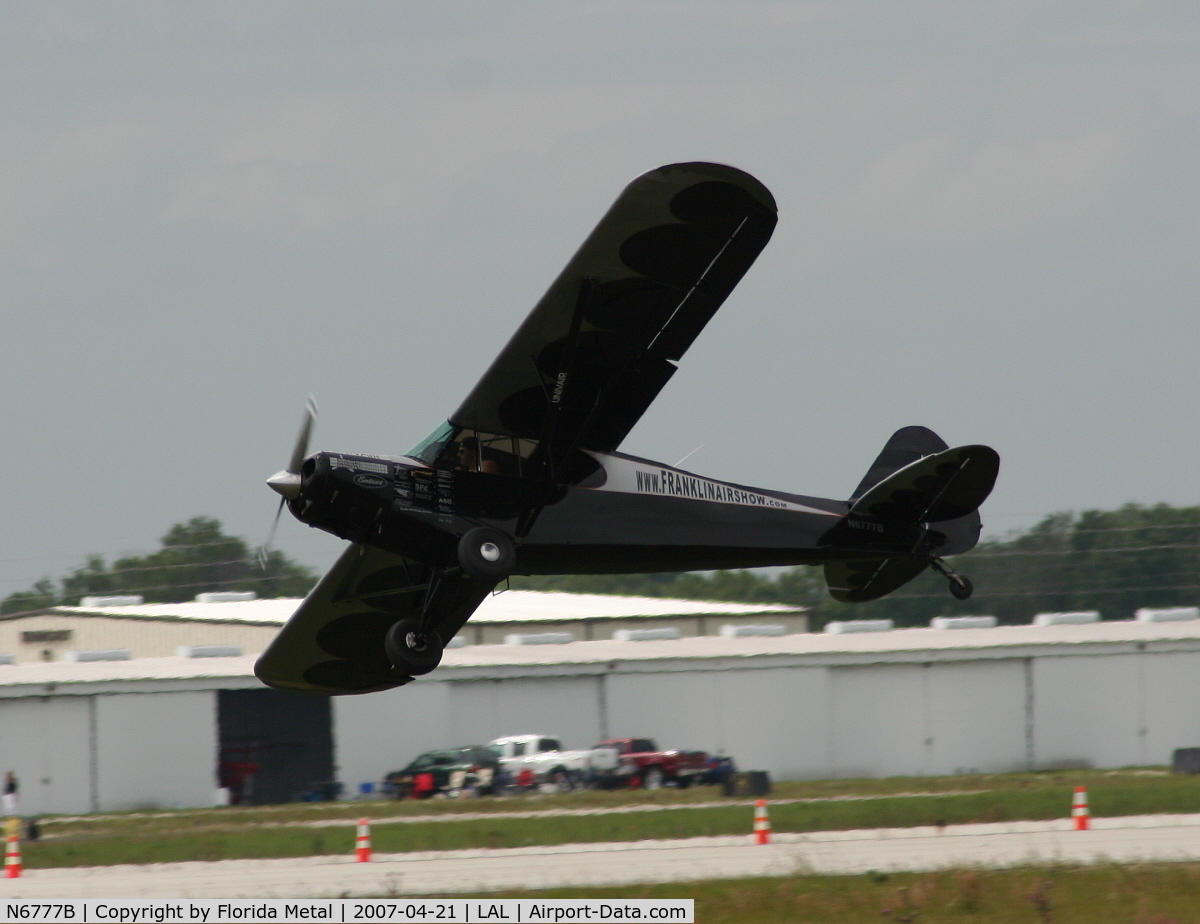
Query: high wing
[(600, 345), (333, 643)]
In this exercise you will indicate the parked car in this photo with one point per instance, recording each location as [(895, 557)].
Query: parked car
[(544, 756), (641, 763), (719, 771), (471, 766)]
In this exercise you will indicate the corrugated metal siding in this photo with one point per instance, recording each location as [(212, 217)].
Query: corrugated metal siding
[(155, 750)]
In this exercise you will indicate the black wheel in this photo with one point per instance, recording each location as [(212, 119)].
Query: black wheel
[(960, 587), (486, 554), (410, 650)]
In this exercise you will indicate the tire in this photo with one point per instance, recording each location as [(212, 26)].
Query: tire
[(486, 554), (411, 654), (960, 587), (653, 778), (561, 779), (683, 782)]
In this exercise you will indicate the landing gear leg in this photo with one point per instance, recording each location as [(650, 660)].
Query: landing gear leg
[(412, 644), (960, 587)]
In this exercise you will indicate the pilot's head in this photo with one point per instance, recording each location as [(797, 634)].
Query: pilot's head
[(468, 453)]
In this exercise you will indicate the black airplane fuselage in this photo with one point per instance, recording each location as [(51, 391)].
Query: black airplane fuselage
[(626, 515)]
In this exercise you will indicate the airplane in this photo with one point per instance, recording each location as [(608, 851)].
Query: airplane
[(525, 477)]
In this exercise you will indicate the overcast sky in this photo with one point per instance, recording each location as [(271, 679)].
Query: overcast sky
[(988, 225)]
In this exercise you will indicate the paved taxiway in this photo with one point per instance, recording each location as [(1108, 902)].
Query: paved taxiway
[(1161, 838)]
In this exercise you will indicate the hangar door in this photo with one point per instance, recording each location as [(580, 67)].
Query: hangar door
[(274, 746)]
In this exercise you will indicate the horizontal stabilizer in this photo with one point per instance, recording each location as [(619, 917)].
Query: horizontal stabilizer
[(858, 581), (944, 486)]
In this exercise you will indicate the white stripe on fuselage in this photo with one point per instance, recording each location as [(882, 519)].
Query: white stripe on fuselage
[(626, 476)]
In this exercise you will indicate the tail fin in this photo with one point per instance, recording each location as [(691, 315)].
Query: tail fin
[(907, 445), (917, 479)]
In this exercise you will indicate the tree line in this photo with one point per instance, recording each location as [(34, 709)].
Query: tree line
[(1112, 561), (195, 557)]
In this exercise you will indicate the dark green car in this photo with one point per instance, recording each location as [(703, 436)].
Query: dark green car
[(477, 764)]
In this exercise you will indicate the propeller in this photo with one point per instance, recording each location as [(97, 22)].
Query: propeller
[(287, 482)]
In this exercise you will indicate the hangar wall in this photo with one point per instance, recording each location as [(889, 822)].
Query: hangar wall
[(46, 740), (109, 751), (122, 735), (154, 750), (923, 717)]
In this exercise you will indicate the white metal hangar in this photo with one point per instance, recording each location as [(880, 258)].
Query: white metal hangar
[(152, 731), (159, 629)]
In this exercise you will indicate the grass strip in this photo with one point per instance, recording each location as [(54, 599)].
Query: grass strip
[(1117, 894), (214, 842), (602, 799)]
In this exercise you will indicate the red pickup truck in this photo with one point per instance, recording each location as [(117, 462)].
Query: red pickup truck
[(641, 763)]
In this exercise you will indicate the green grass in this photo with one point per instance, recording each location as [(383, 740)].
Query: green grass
[(302, 812), (1150, 894), (215, 834)]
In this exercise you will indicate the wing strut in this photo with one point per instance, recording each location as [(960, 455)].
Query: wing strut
[(555, 398)]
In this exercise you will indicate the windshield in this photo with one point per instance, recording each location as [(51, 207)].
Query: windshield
[(430, 448), (456, 448)]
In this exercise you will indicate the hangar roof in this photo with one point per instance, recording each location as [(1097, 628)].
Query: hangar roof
[(510, 606), (497, 661)]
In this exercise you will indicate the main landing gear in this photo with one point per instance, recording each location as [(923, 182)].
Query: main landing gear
[(485, 555), (960, 587), (411, 648)]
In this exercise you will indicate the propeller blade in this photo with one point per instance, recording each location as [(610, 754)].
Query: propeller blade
[(264, 550), (287, 482), (300, 450)]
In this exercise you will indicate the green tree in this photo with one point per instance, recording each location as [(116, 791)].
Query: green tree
[(41, 595), (195, 557)]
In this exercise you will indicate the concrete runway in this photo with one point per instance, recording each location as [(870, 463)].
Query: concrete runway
[(1161, 838)]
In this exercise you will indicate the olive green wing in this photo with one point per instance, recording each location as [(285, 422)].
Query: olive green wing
[(333, 643), (603, 341)]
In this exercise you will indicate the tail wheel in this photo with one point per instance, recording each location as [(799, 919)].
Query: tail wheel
[(411, 649), (960, 587), (486, 554)]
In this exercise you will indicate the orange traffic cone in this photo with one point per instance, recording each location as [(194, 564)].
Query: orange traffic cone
[(1079, 809), (762, 824), (12, 858), (362, 843)]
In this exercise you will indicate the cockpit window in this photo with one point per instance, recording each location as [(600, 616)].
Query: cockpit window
[(451, 447), (454, 448), (430, 448)]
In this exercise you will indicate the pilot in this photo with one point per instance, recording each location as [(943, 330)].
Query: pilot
[(468, 458)]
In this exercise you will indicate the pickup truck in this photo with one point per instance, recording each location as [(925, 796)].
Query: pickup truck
[(550, 763), (641, 763)]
